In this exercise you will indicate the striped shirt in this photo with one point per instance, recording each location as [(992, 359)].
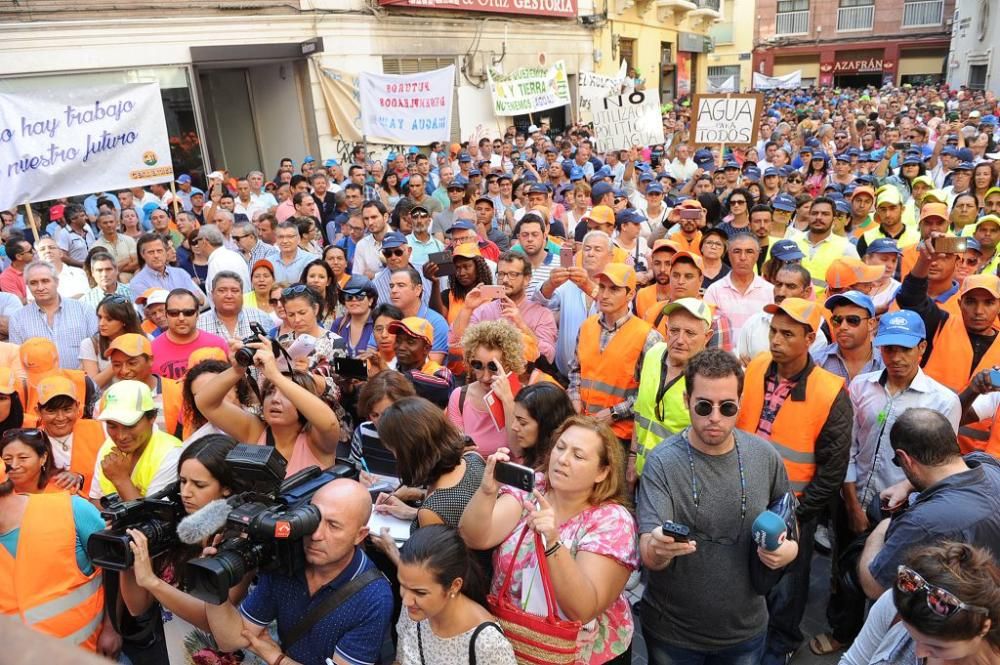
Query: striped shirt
[(72, 322), (210, 323), (94, 296), (261, 251)]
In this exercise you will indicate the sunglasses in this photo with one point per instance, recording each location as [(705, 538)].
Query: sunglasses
[(795, 180), (238, 238), (23, 434), (354, 296), (728, 408), (116, 298), (939, 601), (853, 320), (397, 252), (478, 366), (274, 301), (619, 199), (419, 215), (738, 202), (295, 290), (174, 313)]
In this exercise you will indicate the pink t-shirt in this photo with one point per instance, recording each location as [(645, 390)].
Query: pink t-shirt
[(171, 359), (476, 424)]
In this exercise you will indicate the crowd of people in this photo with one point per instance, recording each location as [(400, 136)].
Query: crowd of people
[(670, 347)]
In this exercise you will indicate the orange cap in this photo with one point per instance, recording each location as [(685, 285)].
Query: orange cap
[(414, 326), (934, 209), (801, 310), (848, 271), (467, 250), (663, 243), (603, 215), (39, 355), (987, 282), (206, 353), (691, 256), (55, 386), (131, 344), (863, 189), (8, 381), (619, 274), (691, 203), (261, 263)]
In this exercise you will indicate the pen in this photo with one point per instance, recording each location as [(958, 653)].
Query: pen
[(364, 466)]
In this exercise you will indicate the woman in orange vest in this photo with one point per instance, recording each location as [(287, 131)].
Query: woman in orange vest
[(27, 454), (74, 441)]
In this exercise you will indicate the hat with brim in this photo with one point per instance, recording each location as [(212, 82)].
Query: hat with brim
[(619, 274), (987, 219), (786, 250), (803, 311), (126, 402), (693, 306), (855, 298), (413, 326), (55, 386), (903, 328), (131, 344), (985, 282), (467, 250), (664, 244)]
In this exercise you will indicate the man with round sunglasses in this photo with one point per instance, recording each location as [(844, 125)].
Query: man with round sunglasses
[(174, 347), (712, 479), (804, 411)]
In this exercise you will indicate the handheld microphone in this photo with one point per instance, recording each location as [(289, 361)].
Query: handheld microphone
[(768, 530), (203, 523)]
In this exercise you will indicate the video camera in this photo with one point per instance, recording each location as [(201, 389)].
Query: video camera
[(155, 516), (266, 525)]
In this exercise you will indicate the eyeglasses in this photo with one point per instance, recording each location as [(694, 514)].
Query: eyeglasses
[(274, 301), (619, 199), (194, 243), (174, 313), (355, 296), (295, 290), (712, 243), (727, 408), (397, 252), (971, 261), (939, 601), (478, 366), (853, 320)]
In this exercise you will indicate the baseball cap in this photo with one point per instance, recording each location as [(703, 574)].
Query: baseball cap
[(883, 246), (455, 184), (57, 211), (153, 296), (126, 402), (413, 326), (973, 244), (654, 187), (989, 120), (462, 224), (752, 174), (419, 207), (903, 328), (8, 381), (855, 298), (262, 263), (987, 219), (863, 189), (358, 284), (196, 192), (783, 202), (330, 162), (467, 250), (786, 250), (801, 310), (601, 214), (647, 177), (986, 282), (690, 256), (663, 243), (393, 240), (464, 157), (889, 195), (474, 172), (601, 189), (576, 173), (842, 157), (131, 344), (216, 175), (38, 355), (922, 180), (848, 271), (309, 159), (619, 274), (911, 160), (693, 306), (538, 188), (630, 216), (185, 179), (704, 157), (842, 206), (483, 199), (964, 166), (532, 129), (771, 171), (966, 155), (731, 164), (56, 386), (935, 195), (206, 353), (950, 151), (934, 209)]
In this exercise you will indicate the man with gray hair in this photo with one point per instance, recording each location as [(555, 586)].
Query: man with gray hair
[(222, 258), (63, 320), (252, 249), (228, 318)]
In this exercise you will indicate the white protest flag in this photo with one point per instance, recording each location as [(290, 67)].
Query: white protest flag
[(58, 141), (623, 121), (529, 89), (591, 87), (786, 82), (728, 85), (413, 108)]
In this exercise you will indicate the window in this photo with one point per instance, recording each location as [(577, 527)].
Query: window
[(854, 15), (719, 78), (918, 13), (977, 77), (792, 17), (416, 65)]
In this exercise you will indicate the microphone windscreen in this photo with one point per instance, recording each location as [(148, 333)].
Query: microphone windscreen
[(203, 523), (768, 530)]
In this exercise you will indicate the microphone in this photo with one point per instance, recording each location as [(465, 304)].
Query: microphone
[(768, 530), (203, 523)]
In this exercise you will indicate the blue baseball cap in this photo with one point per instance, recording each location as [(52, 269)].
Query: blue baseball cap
[(464, 157), (752, 174), (331, 162), (883, 246), (538, 188), (966, 155), (575, 173), (783, 202), (786, 170), (842, 206), (988, 120), (462, 225), (184, 179), (529, 176), (973, 244), (865, 157), (455, 184), (474, 172), (393, 240), (853, 152), (462, 180), (601, 189), (731, 165), (654, 187), (950, 150), (819, 154), (630, 216), (412, 150), (771, 171), (855, 298), (911, 160), (647, 177), (309, 159), (843, 157), (786, 250), (551, 149), (964, 166), (196, 192), (704, 157), (903, 328)]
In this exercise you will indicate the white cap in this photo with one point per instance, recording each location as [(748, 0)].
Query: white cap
[(216, 175), (532, 129)]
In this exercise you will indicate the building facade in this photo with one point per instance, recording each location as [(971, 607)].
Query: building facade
[(974, 60), (853, 42), (729, 63)]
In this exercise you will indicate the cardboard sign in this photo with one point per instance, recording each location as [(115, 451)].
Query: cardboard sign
[(622, 121), (726, 118)]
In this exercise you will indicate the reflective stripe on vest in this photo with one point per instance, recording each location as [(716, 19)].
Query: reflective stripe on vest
[(652, 425), (57, 606), (86, 633), (973, 433), (605, 388)]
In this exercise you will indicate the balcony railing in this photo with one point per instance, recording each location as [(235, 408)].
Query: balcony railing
[(855, 18), (923, 13), (709, 4), (792, 23)]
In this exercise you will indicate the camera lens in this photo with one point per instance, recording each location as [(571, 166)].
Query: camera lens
[(110, 551), (244, 356), (210, 579)]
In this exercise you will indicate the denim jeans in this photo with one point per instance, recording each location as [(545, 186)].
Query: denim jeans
[(744, 653)]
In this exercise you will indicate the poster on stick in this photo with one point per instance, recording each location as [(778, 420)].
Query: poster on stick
[(623, 121), (732, 119), (591, 88), (414, 109), (529, 89), (62, 141)]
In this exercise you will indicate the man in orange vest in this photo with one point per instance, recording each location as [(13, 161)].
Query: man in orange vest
[(659, 291), (933, 219), (604, 372), (961, 343), (804, 411), (75, 440), (46, 578), (131, 356)]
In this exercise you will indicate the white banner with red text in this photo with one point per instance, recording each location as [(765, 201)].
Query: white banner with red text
[(414, 109)]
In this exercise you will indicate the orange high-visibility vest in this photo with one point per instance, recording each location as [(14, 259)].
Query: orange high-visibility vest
[(983, 435), (798, 424), (608, 378), (43, 585), (644, 299), (88, 437), (455, 360), (172, 394), (950, 361)]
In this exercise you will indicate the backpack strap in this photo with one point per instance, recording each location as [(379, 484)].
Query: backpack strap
[(461, 398)]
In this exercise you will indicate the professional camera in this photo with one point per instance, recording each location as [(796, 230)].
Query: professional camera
[(155, 516), (244, 357), (265, 528)]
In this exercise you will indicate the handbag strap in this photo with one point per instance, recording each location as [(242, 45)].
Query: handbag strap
[(472, 641), (543, 569), (327, 606)]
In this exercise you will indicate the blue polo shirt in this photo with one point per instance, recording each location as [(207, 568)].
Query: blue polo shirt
[(354, 631)]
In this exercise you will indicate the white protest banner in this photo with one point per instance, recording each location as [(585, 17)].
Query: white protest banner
[(726, 118), (529, 89), (62, 141), (623, 121), (591, 87), (786, 82), (727, 85), (414, 109)]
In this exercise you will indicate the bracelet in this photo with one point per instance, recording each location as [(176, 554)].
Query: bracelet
[(277, 661), (549, 552)]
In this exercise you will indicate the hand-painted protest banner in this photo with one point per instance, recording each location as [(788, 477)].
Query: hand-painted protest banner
[(529, 89), (414, 108), (786, 82), (623, 121), (726, 118), (57, 142), (591, 87)]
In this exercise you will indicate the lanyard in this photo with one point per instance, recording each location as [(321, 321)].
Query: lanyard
[(743, 479)]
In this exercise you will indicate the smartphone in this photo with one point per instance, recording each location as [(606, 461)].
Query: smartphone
[(566, 256), (492, 291), (690, 213), (995, 378), (679, 532), (351, 368), (515, 475), (949, 245), (444, 262), (901, 145)]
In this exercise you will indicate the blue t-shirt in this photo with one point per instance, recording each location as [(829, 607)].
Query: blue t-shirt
[(355, 630), (87, 520), (440, 326)]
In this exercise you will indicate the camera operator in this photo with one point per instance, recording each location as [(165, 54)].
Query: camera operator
[(294, 419), (204, 476), (355, 606)]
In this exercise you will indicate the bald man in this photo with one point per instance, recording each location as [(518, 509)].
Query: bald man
[(354, 629)]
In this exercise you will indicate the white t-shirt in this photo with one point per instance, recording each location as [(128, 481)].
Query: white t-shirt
[(72, 282)]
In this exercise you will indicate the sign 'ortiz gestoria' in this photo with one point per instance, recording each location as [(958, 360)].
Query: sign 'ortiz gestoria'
[(726, 118), (556, 8)]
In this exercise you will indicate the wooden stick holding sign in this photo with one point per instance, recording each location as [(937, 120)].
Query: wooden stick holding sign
[(173, 196), (31, 220)]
